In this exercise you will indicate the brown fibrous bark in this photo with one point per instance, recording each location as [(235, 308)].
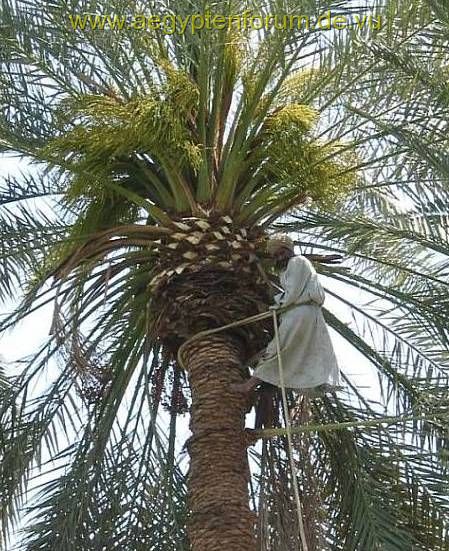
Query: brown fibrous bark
[(220, 517)]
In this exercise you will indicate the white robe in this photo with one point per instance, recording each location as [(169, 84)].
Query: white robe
[(308, 357)]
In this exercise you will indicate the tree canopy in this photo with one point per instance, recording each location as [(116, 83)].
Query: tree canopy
[(337, 137)]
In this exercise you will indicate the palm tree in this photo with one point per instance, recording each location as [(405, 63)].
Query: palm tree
[(162, 164)]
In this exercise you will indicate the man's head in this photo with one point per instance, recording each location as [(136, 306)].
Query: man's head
[(281, 248)]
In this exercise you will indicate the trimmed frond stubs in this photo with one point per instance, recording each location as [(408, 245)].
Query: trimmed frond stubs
[(206, 276), (203, 243)]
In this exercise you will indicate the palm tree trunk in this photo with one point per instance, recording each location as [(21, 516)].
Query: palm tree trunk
[(218, 477)]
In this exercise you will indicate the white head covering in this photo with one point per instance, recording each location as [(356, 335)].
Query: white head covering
[(280, 240)]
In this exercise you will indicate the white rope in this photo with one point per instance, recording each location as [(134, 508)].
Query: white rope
[(289, 434)]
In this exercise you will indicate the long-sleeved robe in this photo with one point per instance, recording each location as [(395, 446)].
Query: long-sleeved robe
[(308, 358)]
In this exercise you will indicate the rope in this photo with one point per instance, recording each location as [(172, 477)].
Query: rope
[(304, 429), (289, 434), (201, 334)]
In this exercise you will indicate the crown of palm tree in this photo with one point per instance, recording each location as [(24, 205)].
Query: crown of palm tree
[(166, 160)]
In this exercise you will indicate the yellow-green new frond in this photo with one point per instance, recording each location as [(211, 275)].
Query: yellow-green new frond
[(179, 89), (143, 125), (333, 173), (148, 140), (292, 117), (293, 168), (315, 170), (295, 87)]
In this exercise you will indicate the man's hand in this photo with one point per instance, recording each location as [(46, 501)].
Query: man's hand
[(325, 258)]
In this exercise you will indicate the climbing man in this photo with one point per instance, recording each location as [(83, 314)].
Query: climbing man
[(308, 358)]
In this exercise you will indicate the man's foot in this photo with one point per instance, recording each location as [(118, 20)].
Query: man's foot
[(247, 391), (246, 387), (243, 388)]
